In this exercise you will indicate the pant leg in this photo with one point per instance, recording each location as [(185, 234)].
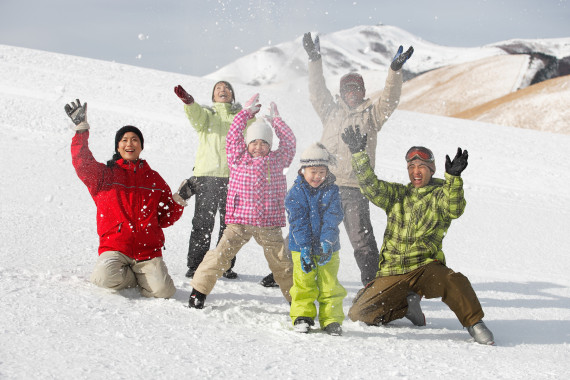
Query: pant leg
[(222, 184), (360, 233), (304, 291), (381, 301), (271, 239), (455, 291), (218, 260), (113, 271), (153, 278), (208, 195), (331, 292)]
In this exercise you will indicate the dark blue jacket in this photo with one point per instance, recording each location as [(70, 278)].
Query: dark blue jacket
[(314, 214)]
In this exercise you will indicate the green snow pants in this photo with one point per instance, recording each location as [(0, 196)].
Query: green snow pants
[(321, 284)]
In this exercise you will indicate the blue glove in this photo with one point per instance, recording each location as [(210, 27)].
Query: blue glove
[(326, 253), (399, 59), (307, 263)]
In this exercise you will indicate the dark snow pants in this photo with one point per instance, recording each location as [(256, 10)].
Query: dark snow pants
[(211, 193), (384, 299), (359, 229)]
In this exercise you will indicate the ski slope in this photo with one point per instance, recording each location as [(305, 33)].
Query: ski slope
[(512, 243)]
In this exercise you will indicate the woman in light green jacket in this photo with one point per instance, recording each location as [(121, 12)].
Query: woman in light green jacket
[(210, 173)]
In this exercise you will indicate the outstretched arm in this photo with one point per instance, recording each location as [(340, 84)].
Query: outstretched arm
[(287, 142)]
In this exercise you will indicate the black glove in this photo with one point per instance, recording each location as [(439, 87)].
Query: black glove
[(77, 112), (355, 141), (399, 59), (313, 48), (458, 164)]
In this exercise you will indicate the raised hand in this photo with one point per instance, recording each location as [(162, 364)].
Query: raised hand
[(252, 105), (399, 59), (273, 113), (458, 164), (356, 142), (313, 49), (78, 114), (183, 95)]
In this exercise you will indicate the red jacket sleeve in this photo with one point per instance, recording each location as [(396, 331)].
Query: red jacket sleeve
[(87, 168)]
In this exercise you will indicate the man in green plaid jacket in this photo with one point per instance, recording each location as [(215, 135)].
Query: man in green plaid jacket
[(412, 263)]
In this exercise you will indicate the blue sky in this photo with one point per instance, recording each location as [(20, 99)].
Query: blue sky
[(197, 37)]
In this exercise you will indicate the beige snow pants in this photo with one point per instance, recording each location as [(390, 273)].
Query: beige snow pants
[(218, 260), (116, 271)]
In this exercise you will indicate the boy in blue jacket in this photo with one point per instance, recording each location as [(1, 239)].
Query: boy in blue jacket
[(314, 212)]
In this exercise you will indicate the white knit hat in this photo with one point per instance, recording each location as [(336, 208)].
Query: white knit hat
[(317, 155), (259, 129)]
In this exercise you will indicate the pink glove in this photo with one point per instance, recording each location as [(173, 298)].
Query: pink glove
[(252, 105), (273, 113), (183, 95)]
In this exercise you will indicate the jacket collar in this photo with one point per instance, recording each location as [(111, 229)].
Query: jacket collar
[(133, 166)]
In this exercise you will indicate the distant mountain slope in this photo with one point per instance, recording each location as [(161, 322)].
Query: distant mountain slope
[(440, 80), (543, 106)]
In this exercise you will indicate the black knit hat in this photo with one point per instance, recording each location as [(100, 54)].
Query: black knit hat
[(227, 84), (121, 132)]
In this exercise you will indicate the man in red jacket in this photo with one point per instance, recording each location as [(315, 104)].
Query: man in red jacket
[(133, 204)]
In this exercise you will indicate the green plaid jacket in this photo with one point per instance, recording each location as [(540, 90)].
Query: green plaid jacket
[(418, 219)]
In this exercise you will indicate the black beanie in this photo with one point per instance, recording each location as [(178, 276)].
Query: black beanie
[(227, 84), (121, 132)]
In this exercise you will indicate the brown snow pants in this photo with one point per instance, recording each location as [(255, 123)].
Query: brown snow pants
[(384, 299), (218, 260)]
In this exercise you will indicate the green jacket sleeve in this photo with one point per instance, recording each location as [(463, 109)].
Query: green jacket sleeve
[(199, 116), (381, 193), (452, 203)]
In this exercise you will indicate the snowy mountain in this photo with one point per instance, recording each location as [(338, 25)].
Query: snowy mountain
[(512, 243), (441, 80)]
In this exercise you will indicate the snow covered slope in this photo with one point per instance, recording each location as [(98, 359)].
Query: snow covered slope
[(512, 243)]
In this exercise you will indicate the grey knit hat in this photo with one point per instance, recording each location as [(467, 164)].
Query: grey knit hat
[(259, 130), (317, 155)]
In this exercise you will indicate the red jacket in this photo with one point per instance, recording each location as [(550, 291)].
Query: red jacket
[(133, 202)]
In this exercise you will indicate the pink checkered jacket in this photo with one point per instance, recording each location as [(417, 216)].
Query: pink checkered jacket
[(257, 187)]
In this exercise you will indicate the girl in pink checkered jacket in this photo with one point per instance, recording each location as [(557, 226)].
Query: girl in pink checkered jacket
[(256, 196)]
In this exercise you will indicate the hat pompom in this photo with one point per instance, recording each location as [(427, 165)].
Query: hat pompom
[(317, 155)]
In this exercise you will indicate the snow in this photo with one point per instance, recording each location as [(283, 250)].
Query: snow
[(512, 243)]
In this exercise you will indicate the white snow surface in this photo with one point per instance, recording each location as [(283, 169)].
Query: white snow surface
[(512, 242)]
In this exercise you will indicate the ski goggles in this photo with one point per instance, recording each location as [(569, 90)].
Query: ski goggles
[(420, 153)]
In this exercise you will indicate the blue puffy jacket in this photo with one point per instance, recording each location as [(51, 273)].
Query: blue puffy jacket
[(314, 214)]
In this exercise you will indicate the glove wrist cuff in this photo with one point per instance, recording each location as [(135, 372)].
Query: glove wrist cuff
[(82, 126)]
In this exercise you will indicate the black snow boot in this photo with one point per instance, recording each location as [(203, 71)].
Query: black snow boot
[(269, 282), (230, 274), (197, 300), (333, 329), (303, 324)]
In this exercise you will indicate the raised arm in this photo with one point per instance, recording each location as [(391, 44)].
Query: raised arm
[(320, 96), (89, 171), (287, 141), (235, 141)]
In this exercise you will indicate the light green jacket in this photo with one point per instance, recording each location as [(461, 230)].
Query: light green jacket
[(418, 219), (212, 125)]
